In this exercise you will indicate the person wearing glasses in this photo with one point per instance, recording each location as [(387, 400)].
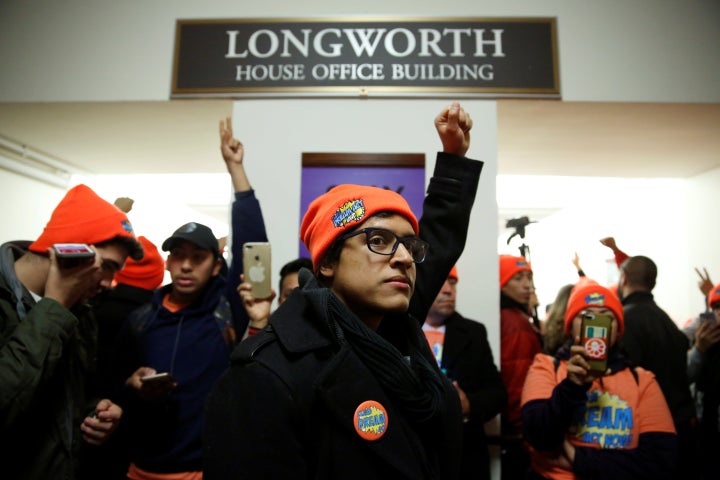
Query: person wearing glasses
[(342, 383)]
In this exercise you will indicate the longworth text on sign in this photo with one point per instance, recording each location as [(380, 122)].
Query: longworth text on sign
[(483, 57)]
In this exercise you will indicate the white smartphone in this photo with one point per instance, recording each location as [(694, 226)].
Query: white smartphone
[(257, 266)]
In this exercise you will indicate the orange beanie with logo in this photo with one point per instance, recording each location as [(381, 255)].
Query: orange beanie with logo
[(147, 273), (588, 293), (343, 208), (714, 295), (510, 265), (83, 217)]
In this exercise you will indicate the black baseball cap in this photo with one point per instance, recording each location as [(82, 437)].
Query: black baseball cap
[(196, 233)]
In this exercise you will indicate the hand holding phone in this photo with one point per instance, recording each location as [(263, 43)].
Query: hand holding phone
[(72, 254), (157, 379), (256, 268), (707, 317), (156, 385)]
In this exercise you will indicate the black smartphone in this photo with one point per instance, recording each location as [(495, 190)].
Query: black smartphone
[(595, 337), (707, 317), (158, 379), (72, 254)]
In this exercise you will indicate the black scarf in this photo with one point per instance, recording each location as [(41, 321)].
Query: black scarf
[(410, 380)]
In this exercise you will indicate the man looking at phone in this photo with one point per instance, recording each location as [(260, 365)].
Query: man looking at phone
[(583, 423), (178, 345), (48, 338)]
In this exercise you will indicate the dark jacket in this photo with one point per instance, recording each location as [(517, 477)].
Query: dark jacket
[(653, 341), (298, 390), (285, 409), (46, 357), (468, 359), (194, 346), (619, 424), (112, 309)]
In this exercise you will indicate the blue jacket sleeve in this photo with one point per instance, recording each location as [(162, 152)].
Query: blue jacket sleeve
[(247, 226), (654, 458), (545, 422)]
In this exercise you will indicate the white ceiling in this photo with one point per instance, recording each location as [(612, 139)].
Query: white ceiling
[(535, 137)]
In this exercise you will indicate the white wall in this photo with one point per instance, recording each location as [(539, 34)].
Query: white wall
[(26, 206), (105, 50), (646, 217), (702, 229)]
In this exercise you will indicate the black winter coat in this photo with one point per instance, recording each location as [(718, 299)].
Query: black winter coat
[(285, 408)]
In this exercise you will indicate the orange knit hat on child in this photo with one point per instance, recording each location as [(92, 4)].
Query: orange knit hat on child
[(83, 217), (343, 208), (588, 293)]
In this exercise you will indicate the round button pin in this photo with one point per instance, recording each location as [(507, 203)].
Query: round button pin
[(371, 420)]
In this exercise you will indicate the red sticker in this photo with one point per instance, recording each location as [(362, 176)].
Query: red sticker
[(371, 420), (596, 348)]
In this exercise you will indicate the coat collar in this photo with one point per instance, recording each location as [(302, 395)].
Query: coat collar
[(297, 327)]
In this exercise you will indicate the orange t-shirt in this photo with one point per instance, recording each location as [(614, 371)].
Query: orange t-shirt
[(436, 339), (173, 307), (135, 473), (616, 412)]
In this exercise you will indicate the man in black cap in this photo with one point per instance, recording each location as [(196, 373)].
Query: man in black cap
[(178, 345), (193, 262)]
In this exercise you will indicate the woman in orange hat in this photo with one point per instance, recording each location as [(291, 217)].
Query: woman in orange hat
[(595, 423)]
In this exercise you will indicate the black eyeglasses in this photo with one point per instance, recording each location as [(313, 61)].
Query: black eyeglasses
[(385, 242)]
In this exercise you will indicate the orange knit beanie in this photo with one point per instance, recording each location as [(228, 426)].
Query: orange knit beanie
[(83, 217), (510, 265), (343, 208), (714, 295), (588, 293), (147, 273)]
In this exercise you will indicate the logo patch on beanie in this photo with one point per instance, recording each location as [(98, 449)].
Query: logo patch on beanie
[(521, 264), (595, 299), (370, 420), (351, 211), (126, 226)]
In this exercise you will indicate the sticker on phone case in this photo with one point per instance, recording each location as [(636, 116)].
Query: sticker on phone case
[(371, 420), (596, 348)]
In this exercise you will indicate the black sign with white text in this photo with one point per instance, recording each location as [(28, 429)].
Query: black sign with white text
[(511, 57)]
